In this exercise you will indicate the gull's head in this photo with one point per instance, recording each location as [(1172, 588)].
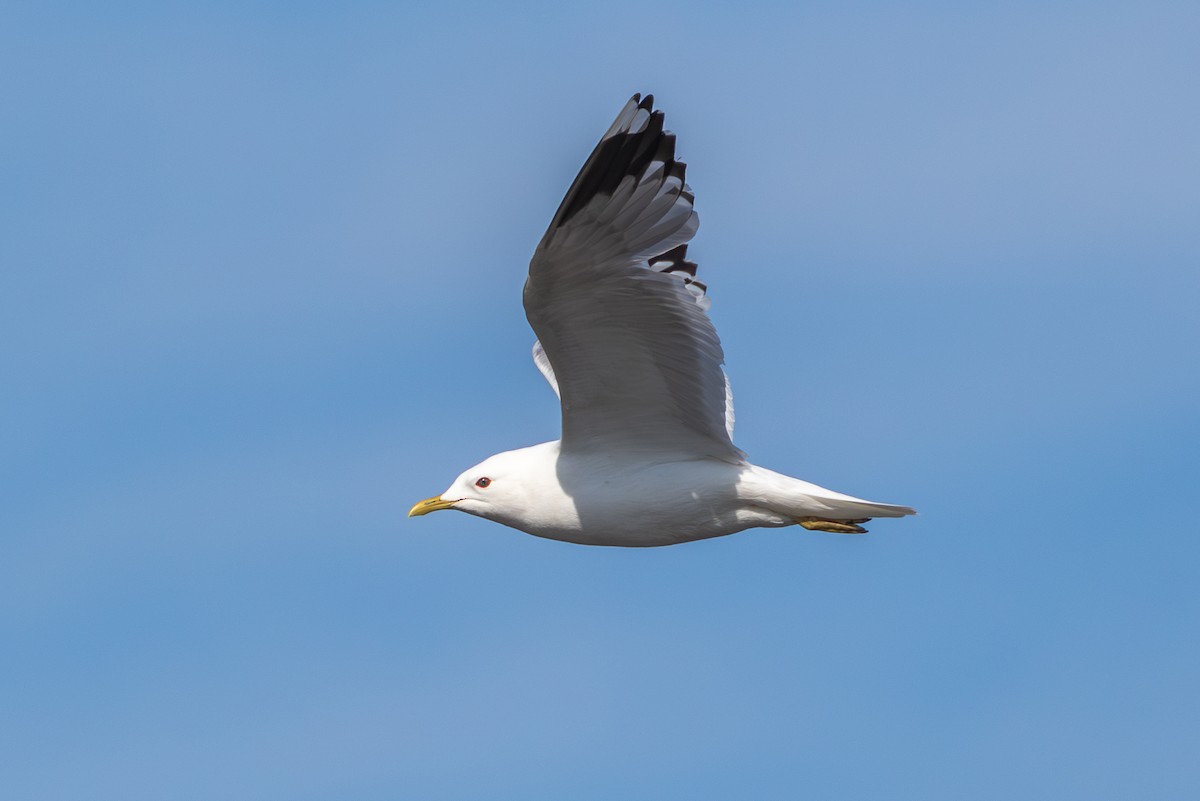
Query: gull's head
[(495, 488)]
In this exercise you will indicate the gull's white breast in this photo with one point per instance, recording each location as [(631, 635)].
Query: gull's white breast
[(622, 499)]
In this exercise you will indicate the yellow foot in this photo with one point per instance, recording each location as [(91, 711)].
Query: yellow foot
[(836, 526)]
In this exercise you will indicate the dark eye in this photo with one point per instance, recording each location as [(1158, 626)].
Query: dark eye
[(483, 482)]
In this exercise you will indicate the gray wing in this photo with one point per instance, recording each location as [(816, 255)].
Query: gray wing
[(664, 263), (623, 333)]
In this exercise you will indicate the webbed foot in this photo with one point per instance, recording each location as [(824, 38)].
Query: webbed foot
[(836, 526)]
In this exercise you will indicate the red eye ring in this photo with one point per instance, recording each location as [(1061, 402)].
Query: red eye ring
[(483, 482)]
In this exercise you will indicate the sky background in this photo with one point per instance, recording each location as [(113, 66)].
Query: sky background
[(260, 272)]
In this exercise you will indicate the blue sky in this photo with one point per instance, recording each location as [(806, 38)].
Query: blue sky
[(260, 292)]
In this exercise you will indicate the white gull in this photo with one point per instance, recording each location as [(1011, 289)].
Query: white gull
[(646, 456)]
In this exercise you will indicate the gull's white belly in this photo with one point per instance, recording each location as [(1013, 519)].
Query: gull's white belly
[(604, 501)]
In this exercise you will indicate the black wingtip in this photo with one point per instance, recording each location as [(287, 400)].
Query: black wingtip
[(618, 154)]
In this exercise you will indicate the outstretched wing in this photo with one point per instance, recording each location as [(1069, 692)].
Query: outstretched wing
[(623, 333)]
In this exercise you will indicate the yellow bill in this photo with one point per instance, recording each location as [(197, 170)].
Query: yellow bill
[(430, 505)]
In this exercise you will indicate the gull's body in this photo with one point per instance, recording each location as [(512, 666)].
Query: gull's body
[(624, 338)]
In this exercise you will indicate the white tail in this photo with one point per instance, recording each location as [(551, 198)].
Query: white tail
[(795, 498)]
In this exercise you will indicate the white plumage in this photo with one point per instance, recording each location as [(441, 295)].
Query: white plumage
[(624, 339)]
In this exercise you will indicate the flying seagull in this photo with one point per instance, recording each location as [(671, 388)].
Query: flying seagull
[(623, 337)]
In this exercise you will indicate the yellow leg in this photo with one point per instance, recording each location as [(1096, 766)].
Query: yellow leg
[(836, 526)]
